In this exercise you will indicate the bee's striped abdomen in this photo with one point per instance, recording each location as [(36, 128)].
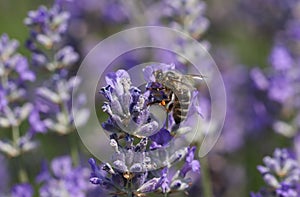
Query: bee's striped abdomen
[(181, 105)]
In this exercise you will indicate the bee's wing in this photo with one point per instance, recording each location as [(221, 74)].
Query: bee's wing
[(190, 81), (184, 81), (197, 77), (187, 84)]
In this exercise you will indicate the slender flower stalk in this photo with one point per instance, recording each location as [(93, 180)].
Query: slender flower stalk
[(206, 178)]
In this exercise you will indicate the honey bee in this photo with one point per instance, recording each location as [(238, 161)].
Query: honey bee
[(173, 90)]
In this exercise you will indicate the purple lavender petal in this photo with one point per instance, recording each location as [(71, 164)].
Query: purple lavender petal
[(280, 58), (61, 166), (22, 190), (160, 139)]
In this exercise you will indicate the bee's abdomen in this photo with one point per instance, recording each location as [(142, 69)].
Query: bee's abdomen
[(181, 106)]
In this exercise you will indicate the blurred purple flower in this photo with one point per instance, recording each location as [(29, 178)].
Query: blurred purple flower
[(22, 190), (3, 100), (47, 25), (259, 79), (281, 89), (280, 58), (269, 15), (47, 28), (65, 181), (245, 104), (14, 107), (115, 11), (66, 56), (280, 82), (14, 69), (293, 29), (55, 105), (14, 148), (281, 173), (37, 125), (191, 14)]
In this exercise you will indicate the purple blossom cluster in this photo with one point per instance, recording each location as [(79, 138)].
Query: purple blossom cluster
[(133, 171), (54, 105), (189, 16), (124, 182), (280, 84), (53, 99), (62, 179), (281, 173), (48, 109), (47, 27), (15, 106), (24, 190), (280, 81)]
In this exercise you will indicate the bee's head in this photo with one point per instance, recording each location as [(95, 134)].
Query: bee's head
[(158, 74)]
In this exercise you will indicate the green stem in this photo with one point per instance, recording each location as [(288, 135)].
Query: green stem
[(23, 177), (128, 187), (206, 179), (4, 80), (22, 174), (72, 138), (74, 149), (15, 135)]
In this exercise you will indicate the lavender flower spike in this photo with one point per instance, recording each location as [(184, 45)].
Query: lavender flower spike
[(14, 109), (47, 27), (55, 101), (47, 24), (139, 144), (126, 107), (281, 174)]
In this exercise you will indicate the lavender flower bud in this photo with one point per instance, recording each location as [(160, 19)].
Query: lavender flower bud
[(281, 173)]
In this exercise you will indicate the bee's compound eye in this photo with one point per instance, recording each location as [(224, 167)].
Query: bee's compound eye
[(158, 74)]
